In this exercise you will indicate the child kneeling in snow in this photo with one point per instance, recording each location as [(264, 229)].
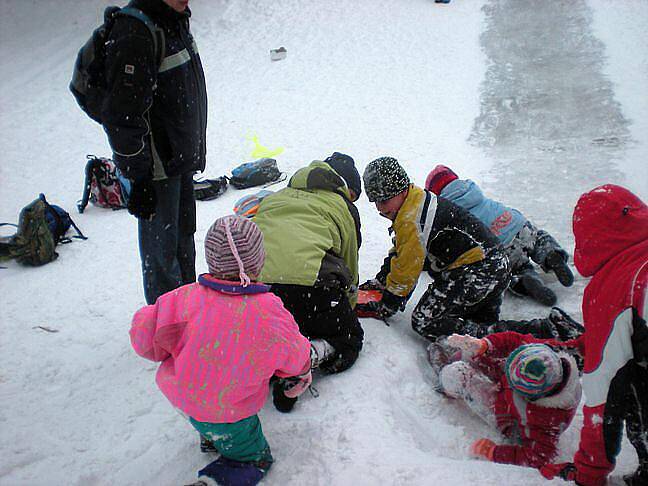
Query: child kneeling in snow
[(524, 388), (220, 340)]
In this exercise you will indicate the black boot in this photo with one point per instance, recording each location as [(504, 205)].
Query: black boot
[(540, 328), (280, 400), (566, 327), (206, 445), (558, 263), (537, 290)]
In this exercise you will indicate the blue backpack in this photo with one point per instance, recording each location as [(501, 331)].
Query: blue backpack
[(262, 172)]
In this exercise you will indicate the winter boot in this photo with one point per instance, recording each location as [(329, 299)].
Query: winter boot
[(558, 263), (566, 327), (207, 446), (536, 289), (321, 352), (228, 472), (279, 398)]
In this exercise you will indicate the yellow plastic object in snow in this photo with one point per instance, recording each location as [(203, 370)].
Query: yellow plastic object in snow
[(261, 152)]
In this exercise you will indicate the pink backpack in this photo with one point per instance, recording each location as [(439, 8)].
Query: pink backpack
[(105, 186)]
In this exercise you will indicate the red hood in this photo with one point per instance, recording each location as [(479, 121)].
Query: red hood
[(607, 220)]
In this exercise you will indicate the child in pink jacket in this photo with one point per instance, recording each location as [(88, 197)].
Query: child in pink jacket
[(220, 340)]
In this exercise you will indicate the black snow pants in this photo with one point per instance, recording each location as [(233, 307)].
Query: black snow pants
[(627, 401), (325, 313), (465, 300)]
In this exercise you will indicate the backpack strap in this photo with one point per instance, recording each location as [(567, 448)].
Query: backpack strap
[(81, 205), (156, 33), (59, 223)]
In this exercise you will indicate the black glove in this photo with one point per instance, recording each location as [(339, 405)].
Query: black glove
[(280, 400), (342, 361), (391, 304), (142, 200), (372, 284)]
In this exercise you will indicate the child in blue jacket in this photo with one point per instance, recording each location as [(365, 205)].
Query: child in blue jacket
[(522, 240)]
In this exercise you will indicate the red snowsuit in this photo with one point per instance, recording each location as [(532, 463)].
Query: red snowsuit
[(538, 424), (611, 230)]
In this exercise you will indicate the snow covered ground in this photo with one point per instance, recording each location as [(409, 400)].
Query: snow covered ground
[(536, 101)]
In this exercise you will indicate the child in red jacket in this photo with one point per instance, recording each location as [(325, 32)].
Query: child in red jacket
[(524, 388), (611, 231)]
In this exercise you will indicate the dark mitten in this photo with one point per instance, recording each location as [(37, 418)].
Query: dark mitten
[(279, 398), (391, 304), (142, 201)]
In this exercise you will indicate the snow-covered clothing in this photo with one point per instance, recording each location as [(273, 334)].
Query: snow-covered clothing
[(219, 344), (519, 236), (611, 230), (535, 425), (503, 221), (311, 233), (469, 268)]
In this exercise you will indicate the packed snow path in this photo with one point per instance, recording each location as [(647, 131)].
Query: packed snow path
[(538, 102)]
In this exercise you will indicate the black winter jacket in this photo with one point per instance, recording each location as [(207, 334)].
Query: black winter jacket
[(155, 114)]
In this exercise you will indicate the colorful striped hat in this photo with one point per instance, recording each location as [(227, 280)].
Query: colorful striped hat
[(234, 249), (534, 370)]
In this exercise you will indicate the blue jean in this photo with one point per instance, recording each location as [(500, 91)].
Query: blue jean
[(166, 243)]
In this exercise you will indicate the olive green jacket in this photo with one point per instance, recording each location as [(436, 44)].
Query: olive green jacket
[(309, 233)]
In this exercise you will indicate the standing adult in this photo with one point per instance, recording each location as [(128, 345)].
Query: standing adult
[(155, 116)]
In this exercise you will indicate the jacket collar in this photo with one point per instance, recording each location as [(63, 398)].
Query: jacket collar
[(231, 287)]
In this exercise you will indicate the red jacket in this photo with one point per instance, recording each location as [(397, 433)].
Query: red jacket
[(537, 424), (611, 230)]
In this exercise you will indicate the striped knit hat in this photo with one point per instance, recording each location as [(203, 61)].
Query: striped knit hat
[(534, 370), (234, 249)]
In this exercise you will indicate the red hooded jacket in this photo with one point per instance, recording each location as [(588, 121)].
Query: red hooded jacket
[(611, 229), (537, 425)]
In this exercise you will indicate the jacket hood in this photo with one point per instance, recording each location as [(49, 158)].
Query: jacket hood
[(570, 395), (463, 192), (319, 175), (159, 8), (607, 221)]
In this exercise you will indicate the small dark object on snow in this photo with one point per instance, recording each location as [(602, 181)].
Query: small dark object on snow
[(278, 54)]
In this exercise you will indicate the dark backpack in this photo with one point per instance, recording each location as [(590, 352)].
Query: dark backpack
[(262, 172), (41, 227), (105, 186), (208, 189), (88, 83)]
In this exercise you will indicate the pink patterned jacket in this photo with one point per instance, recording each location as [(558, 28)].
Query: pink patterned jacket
[(219, 344)]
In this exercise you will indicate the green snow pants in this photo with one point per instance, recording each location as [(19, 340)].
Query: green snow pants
[(241, 441)]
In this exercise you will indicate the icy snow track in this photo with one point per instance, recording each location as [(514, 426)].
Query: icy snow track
[(548, 117)]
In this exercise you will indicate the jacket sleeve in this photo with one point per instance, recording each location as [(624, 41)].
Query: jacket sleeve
[(294, 353), (535, 452), (152, 339), (131, 72), (501, 344), (604, 383)]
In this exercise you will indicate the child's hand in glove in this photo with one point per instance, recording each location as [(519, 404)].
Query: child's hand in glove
[(483, 449), (470, 347), (294, 387)]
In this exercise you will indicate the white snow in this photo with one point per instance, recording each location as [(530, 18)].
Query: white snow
[(368, 78)]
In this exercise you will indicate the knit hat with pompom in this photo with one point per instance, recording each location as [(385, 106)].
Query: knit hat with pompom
[(234, 249), (534, 370)]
